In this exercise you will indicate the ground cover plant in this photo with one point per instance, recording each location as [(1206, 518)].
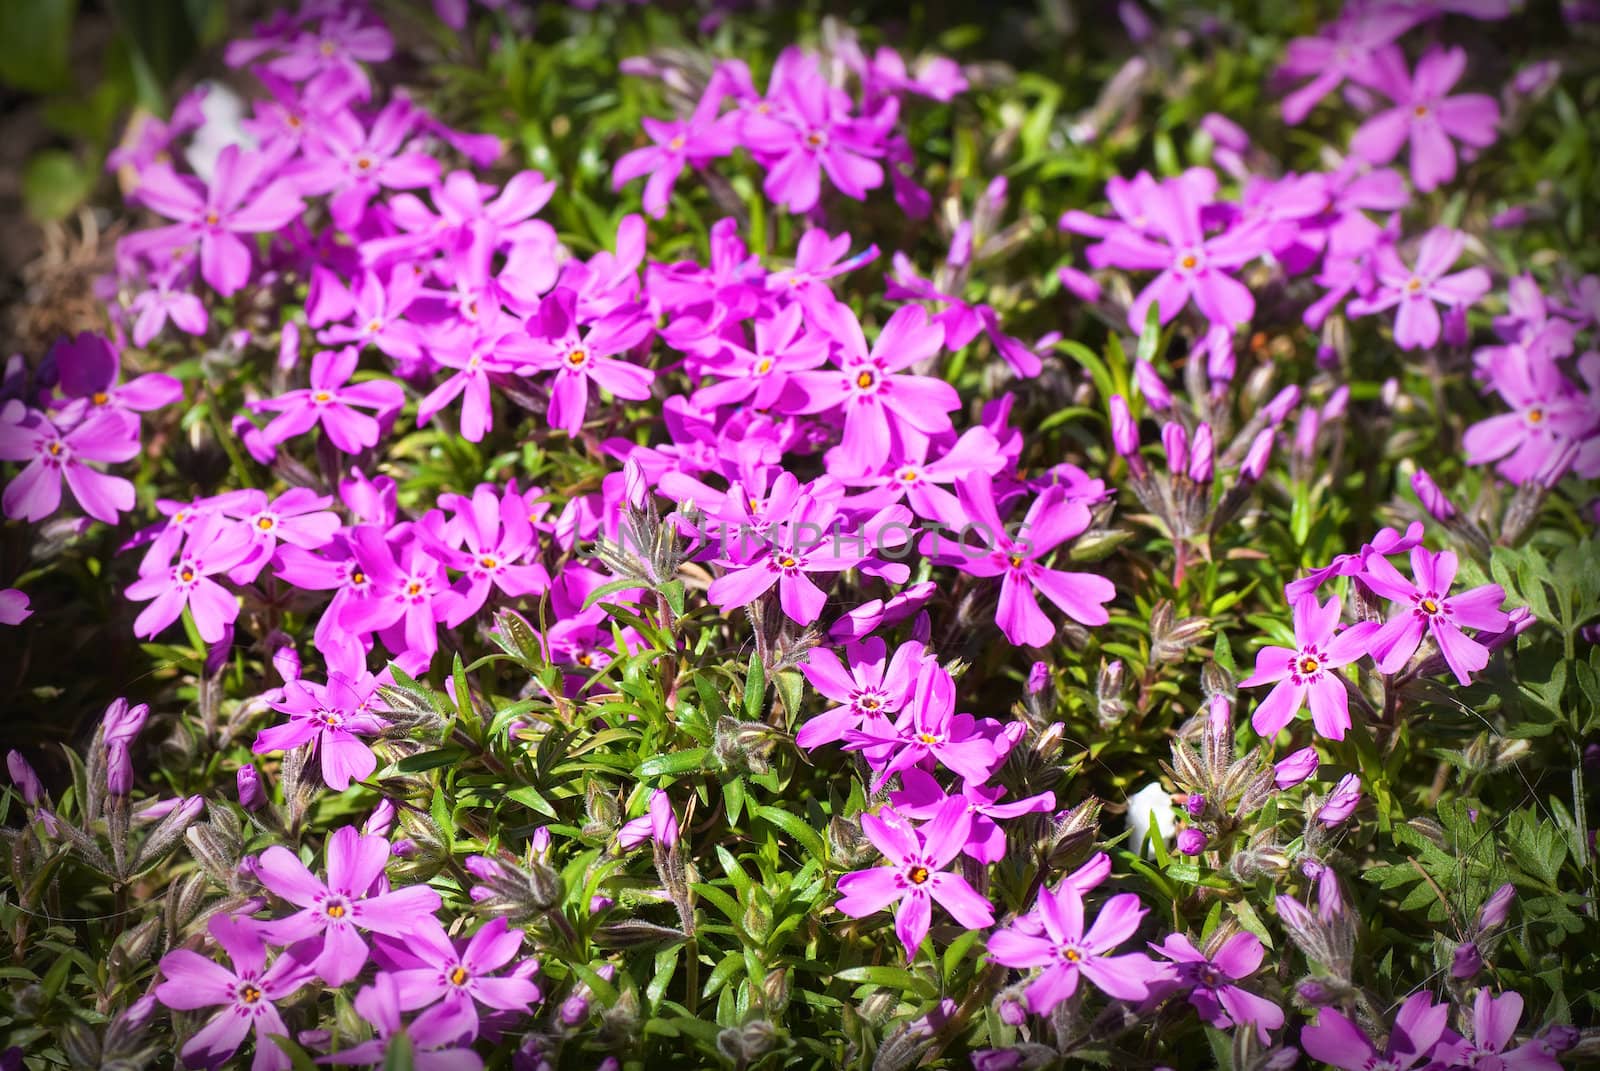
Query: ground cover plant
[(618, 536)]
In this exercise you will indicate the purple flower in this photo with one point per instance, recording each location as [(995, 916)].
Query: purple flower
[(885, 409), (1494, 1022), (248, 994), (920, 797), (657, 825), (251, 795), (1304, 673), (452, 979), (1342, 50), (214, 545), (52, 456), (1055, 939), (120, 725), (1341, 802), (928, 728), (162, 302), (1424, 115), (348, 901), (1192, 841), (375, 310), (332, 718), (1208, 981), (13, 606), (353, 163), (332, 402), (1418, 1027), (1052, 519), (865, 690), (692, 142), (236, 202), (579, 353), (89, 367), (1415, 291), (1295, 768), (1426, 608), (1548, 416), (916, 876), (428, 1045)]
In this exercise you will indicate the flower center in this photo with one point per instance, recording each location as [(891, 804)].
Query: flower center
[(1016, 561), (1189, 261), (54, 449), (212, 219), (1071, 955), (868, 702), (322, 396), (186, 574), (357, 577), (676, 144), (265, 523), (928, 738), (787, 562), (489, 562), (413, 588), (577, 357), (1309, 665), (1420, 110), (100, 397), (374, 326), (1535, 415), (1208, 978), (586, 660), (249, 994), (865, 380), (908, 475), (335, 909), (764, 366), (1413, 284), (1429, 606), (918, 875), (458, 975), (364, 163), (816, 139)]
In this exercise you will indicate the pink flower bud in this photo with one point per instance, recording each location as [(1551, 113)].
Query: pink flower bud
[(1176, 443), (1191, 841), (1466, 962), (1342, 803), (1497, 907), (1150, 384), (1255, 461), (251, 794), (1202, 455), (1295, 768), (1282, 403), (1124, 432), (1433, 499)]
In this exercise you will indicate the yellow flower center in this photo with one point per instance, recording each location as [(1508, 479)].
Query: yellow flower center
[(1189, 261), (918, 875), (186, 574), (335, 911), (1309, 665), (1429, 606), (865, 380), (764, 366), (265, 523), (1413, 284), (249, 994), (458, 976), (322, 396), (100, 397), (1420, 110), (413, 588), (577, 357)]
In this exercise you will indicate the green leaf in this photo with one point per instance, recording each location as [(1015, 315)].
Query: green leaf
[(675, 763), (797, 829)]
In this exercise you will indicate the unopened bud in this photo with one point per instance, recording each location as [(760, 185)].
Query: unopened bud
[(1202, 455), (1466, 962), (1175, 440), (1295, 768), (251, 794), (1191, 841)]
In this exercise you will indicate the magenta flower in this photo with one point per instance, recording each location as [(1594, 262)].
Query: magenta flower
[(1304, 673), (89, 367), (375, 309), (214, 545), (1416, 290), (299, 517), (1209, 982), (657, 825), (13, 606), (929, 729), (916, 876), (918, 481), (236, 202), (35, 493), (1341, 802), (406, 600), (346, 902), (153, 308), (1051, 520), (804, 128), (1191, 265), (579, 354), (1342, 50), (678, 143), (495, 346), (332, 718), (353, 163), (248, 994), (1548, 416), (1387, 541), (1494, 1023), (428, 1046), (863, 690), (1424, 115), (329, 60), (920, 797), (884, 408), (1054, 938), (1426, 608), (488, 541), (431, 970), (759, 377), (1418, 1027), (333, 402)]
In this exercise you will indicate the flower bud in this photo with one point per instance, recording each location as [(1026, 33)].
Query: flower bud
[(1195, 804), (1124, 432), (24, 778), (380, 821), (1497, 907), (1038, 678), (1255, 461), (1079, 284), (1202, 455), (286, 661), (1456, 332), (637, 489), (1466, 962), (1342, 803), (251, 794), (1295, 768), (1433, 499), (1191, 841), (1149, 382), (1282, 403), (1337, 405), (1175, 440)]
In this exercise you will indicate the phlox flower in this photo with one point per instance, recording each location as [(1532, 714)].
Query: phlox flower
[(863, 689), (332, 718), (353, 162), (334, 403), (375, 307), (929, 729), (818, 258), (1494, 1024), (1343, 49), (921, 482), (214, 545), (13, 606), (1548, 414), (1056, 940), (299, 517), (1051, 520), (1209, 981), (1424, 115), (89, 367), (916, 876), (884, 407), (1425, 608), (920, 797), (579, 353), (451, 979), (1304, 673), (677, 143), (658, 825), (1418, 1027), (53, 456), (407, 598), (248, 993), (1387, 541), (760, 376), (354, 897), (489, 540), (236, 201), (328, 60), (1415, 290), (429, 1046), (166, 301)]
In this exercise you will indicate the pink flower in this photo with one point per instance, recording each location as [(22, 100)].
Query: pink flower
[(332, 401), (13, 606), (1341, 802), (1305, 672), (1209, 982), (35, 493), (929, 729), (1426, 608), (89, 367), (353, 163), (1418, 1027), (657, 825), (581, 353), (920, 797), (236, 202), (1424, 115), (1051, 520), (348, 901), (916, 876), (332, 718), (428, 1045), (1053, 937), (677, 143), (451, 979), (865, 690), (214, 545), (1416, 290), (1494, 1024), (248, 993)]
